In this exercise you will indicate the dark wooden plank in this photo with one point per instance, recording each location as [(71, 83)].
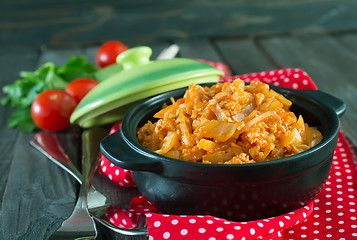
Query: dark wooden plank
[(49, 192), (244, 55), (349, 40), (157, 48), (35, 194), (39, 194), (41, 4), (201, 48), (290, 52), (58, 56), (339, 57), (119, 197), (13, 60), (71, 22)]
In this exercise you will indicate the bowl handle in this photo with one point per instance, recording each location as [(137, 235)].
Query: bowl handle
[(327, 99), (123, 154)]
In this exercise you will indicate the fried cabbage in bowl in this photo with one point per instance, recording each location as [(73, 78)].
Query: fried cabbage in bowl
[(228, 123)]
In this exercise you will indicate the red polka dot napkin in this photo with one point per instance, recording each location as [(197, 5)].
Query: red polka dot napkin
[(290, 78), (212, 228), (332, 215), (121, 177)]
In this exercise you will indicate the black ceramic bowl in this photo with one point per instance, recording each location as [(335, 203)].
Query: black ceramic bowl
[(234, 192)]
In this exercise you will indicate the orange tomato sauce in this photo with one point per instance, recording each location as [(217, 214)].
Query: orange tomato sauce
[(228, 123)]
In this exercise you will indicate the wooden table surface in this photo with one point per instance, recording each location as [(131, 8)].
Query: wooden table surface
[(36, 195)]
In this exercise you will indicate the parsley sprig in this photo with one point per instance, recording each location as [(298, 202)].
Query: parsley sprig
[(21, 93)]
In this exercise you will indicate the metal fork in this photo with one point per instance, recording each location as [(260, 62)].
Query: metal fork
[(98, 199), (50, 145), (80, 224)]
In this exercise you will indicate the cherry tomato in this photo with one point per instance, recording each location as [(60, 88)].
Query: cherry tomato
[(79, 87), (108, 52), (52, 109)]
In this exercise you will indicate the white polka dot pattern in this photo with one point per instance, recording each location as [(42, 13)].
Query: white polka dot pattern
[(290, 77), (332, 215), (210, 227), (121, 177)]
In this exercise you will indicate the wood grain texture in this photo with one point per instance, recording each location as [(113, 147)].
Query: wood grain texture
[(199, 49), (332, 53), (349, 40), (74, 23), (292, 52), (39, 194), (12, 60), (58, 56), (243, 55), (36, 195)]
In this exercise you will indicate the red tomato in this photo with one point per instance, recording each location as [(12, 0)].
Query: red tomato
[(79, 87), (52, 109), (108, 52)]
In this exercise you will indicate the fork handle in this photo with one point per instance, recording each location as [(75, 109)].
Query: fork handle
[(50, 145), (91, 139)]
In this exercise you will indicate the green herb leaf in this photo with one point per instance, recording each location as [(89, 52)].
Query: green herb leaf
[(21, 118), (76, 67), (21, 93)]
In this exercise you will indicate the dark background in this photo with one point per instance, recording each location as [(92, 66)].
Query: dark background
[(68, 22)]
